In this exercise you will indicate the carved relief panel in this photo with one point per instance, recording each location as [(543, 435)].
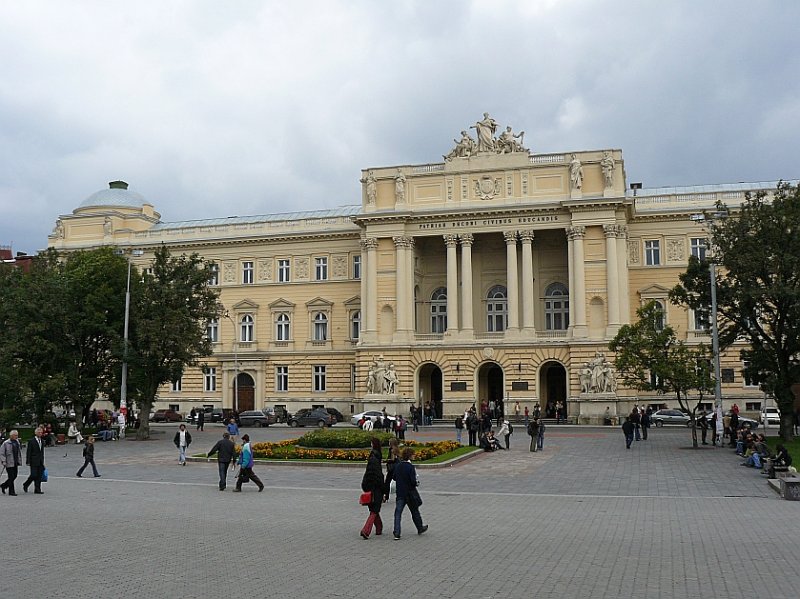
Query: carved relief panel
[(676, 249), (265, 270), (301, 268), (340, 266), (633, 251)]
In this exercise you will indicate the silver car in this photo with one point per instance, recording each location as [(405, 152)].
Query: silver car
[(662, 417)]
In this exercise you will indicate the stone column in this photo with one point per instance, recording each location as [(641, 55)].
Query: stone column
[(371, 309), (466, 283), (451, 241), (571, 283), (408, 301), (512, 280), (579, 280), (527, 281), (612, 279), (401, 284), (364, 292), (622, 268)]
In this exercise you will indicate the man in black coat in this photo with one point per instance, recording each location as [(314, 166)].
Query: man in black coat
[(34, 458), (224, 448), (201, 419)]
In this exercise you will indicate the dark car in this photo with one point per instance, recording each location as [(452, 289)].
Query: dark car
[(336, 414), (308, 417), (166, 416), (257, 418)]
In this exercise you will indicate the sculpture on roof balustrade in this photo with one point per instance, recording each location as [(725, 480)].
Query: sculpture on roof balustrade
[(487, 143)]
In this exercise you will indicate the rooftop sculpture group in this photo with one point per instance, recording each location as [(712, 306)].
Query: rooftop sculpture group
[(508, 142)]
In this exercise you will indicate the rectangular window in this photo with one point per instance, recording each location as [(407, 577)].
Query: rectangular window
[(321, 269), (356, 267), (210, 379), (247, 273), (701, 320), (212, 331), (176, 385), (752, 406), (352, 378), (727, 375), (214, 279), (698, 247), (750, 379), (281, 378), (175, 407), (284, 271), (319, 378), (652, 252)]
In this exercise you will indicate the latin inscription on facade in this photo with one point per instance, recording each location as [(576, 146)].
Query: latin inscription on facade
[(518, 220)]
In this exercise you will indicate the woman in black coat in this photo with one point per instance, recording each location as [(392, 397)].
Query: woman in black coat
[(373, 481)]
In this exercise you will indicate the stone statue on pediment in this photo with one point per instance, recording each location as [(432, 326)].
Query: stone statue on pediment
[(507, 142), (465, 147), (575, 173), (58, 230), (485, 130), (400, 187), (607, 165), (372, 187)]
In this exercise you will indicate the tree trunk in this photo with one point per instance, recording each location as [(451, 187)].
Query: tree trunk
[(143, 432), (786, 431), (693, 416)]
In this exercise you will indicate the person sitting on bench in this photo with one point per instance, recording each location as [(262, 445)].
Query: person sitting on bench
[(74, 433), (105, 432), (780, 462)]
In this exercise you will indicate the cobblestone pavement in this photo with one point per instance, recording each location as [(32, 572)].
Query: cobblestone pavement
[(584, 518)]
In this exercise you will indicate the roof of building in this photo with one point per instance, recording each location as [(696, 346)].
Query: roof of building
[(117, 195), (722, 187), (261, 218)]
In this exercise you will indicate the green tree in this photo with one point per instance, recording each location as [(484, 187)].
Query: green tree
[(758, 289), (650, 357), (169, 312)]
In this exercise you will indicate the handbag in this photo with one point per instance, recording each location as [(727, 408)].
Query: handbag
[(44, 475), (365, 498)]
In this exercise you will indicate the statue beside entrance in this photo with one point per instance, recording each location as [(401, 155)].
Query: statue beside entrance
[(382, 378)]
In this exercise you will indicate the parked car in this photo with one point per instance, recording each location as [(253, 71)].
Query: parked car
[(309, 417), (211, 415), (165, 416), (371, 414), (662, 417), (770, 416), (257, 418), (337, 415), (281, 413)]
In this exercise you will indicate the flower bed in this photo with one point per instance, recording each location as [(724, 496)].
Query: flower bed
[(290, 450)]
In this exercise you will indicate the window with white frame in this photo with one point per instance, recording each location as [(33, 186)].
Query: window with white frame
[(556, 307), (439, 310), (652, 252), (282, 327), (320, 377), (177, 384), (662, 315), (214, 278), (210, 379), (357, 266), (698, 247), (247, 273), (751, 379), (355, 324), (212, 330), (701, 319), (320, 326), (247, 329), (321, 268), (497, 309), (281, 378), (284, 271)]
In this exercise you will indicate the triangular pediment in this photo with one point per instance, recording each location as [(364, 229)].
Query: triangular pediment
[(353, 301), (245, 304), (654, 290), (319, 302), (281, 304)]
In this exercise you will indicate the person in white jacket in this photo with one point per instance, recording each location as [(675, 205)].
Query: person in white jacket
[(74, 433)]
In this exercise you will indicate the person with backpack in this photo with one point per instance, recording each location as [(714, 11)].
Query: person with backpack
[(472, 428), (533, 432), (88, 457), (459, 428), (540, 435)]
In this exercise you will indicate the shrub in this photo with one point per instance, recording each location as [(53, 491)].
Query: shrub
[(350, 438), (290, 450)]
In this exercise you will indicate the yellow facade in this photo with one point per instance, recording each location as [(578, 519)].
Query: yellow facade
[(546, 267)]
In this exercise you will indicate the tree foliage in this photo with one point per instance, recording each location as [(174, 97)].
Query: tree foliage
[(650, 357), (758, 289)]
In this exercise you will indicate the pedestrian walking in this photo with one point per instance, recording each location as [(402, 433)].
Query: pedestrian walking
[(703, 423), (635, 420), (372, 482), (459, 428), (246, 462), (391, 462), (517, 410), (182, 440), (201, 420), (645, 421), (628, 429), (527, 417), (540, 435), (405, 476), (533, 432), (225, 449), (88, 458), (11, 458), (233, 430), (505, 431), (34, 457)]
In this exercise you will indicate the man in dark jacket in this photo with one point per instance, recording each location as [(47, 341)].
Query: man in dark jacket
[(628, 429), (11, 458), (34, 457), (201, 419), (224, 448), (405, 475), (472, 428)]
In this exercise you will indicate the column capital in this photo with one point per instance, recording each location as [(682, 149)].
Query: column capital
[(622, 231), (510, 237), (450, 240), (370, 243), (576, 232), (466, 239), (610, 231), (403, 242), (527, 235)]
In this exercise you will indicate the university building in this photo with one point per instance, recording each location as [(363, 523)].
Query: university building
[(496, 273)]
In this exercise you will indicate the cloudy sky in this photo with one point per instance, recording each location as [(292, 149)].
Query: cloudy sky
[(212, 109)]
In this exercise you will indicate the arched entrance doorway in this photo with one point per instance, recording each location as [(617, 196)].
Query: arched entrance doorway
[(246, 393), (490, 383), (430, 389), (553, 389)]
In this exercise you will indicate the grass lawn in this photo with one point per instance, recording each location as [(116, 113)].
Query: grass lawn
[(793, 446)]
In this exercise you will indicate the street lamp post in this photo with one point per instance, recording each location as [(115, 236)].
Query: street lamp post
[(123, 392), (235, 365)]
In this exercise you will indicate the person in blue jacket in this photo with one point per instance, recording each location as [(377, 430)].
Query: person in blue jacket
[(246, 467), (405, 476)]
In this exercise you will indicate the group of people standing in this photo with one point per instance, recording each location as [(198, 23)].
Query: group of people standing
[(636, 425)]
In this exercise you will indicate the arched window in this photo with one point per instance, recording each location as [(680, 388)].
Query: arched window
[(556, 307), (662, 315), (320, 326), (496, 309), (282, 331), (247, 328), (439, 310), (355, 324)]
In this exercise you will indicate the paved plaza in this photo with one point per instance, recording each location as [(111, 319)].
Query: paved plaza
[(584, 518)]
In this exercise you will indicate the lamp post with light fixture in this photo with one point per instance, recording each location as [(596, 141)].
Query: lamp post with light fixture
[(123, 392)]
